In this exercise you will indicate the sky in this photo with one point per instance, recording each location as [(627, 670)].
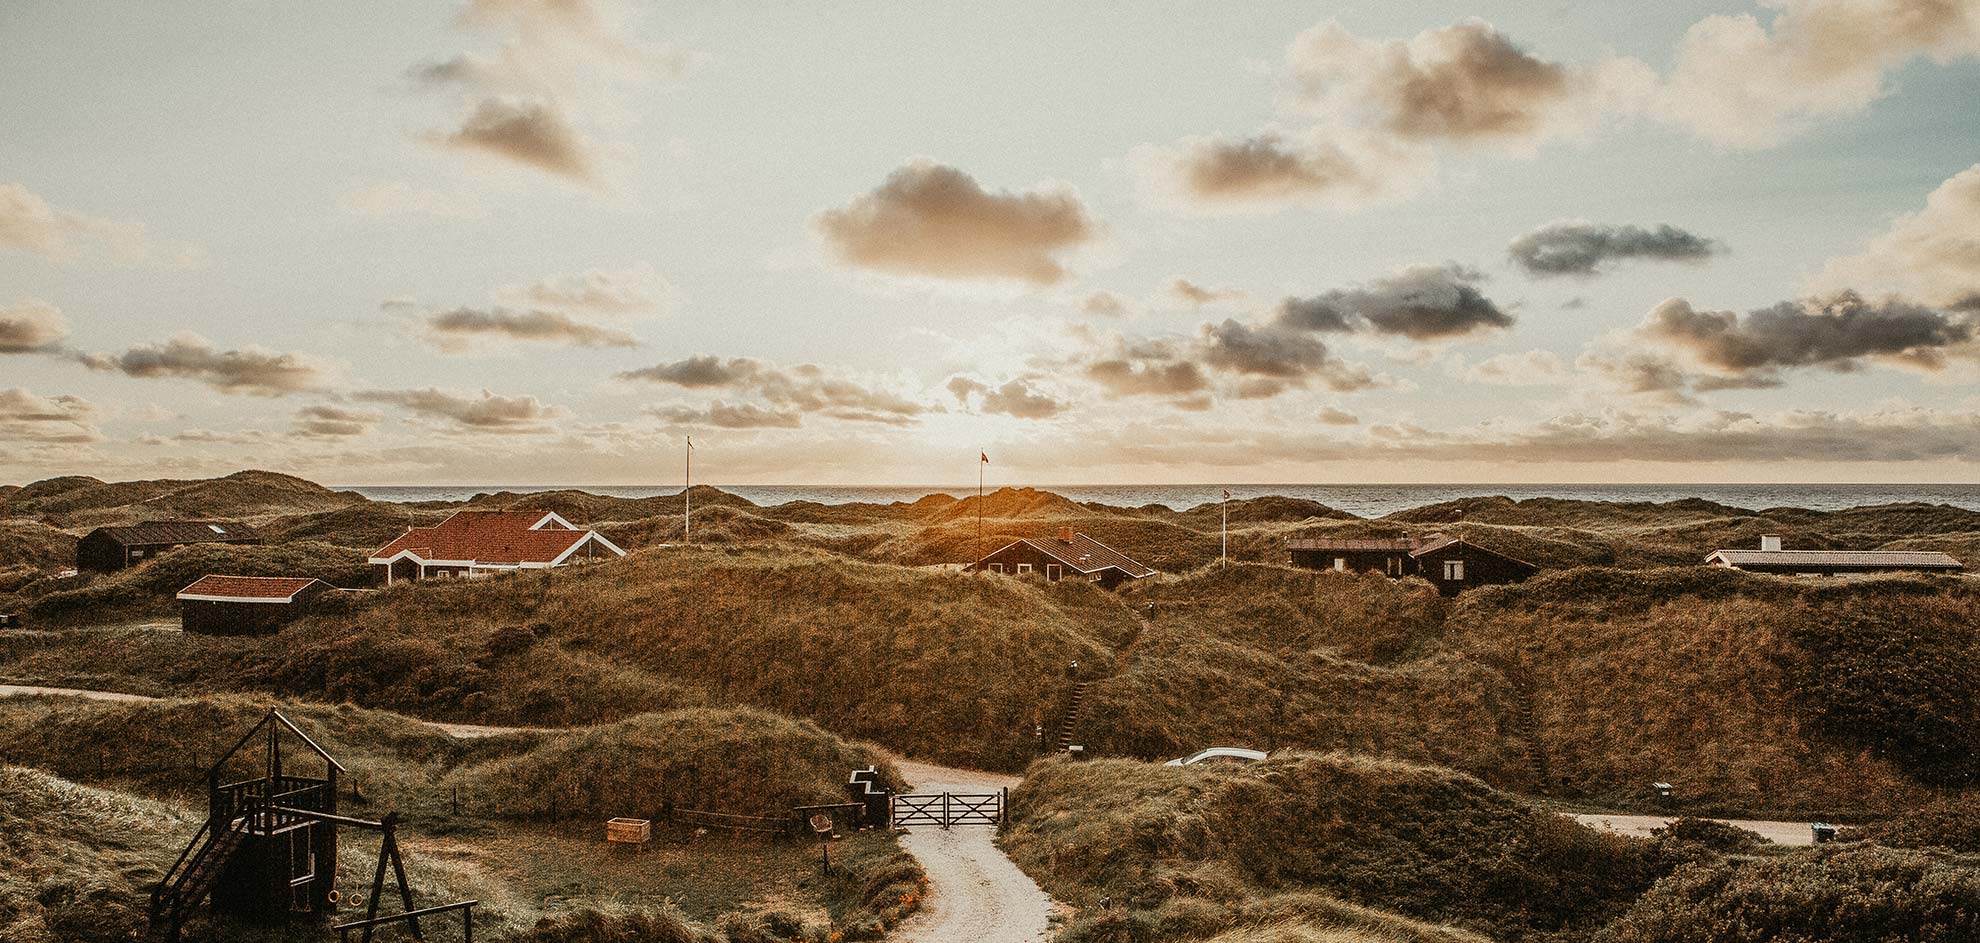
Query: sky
[(535, 242)]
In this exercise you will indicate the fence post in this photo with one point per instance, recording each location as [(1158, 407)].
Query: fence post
[(945, 811), (1003, 805)]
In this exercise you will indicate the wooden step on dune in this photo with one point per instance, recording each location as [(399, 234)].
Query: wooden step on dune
[(1072, 716)]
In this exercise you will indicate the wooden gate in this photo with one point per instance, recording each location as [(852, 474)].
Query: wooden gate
[(944, 809)]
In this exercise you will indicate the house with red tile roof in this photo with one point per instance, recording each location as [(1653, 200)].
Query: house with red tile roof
[(481, 543)]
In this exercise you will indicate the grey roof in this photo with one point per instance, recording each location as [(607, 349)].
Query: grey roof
[(1867, 559), (179, 532), (1393, 544), (1086, 555), (1439, 541)]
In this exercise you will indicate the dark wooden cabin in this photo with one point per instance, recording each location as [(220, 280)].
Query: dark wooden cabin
[(109, 549), (1452, 564), (246, 605), (1068, 556)]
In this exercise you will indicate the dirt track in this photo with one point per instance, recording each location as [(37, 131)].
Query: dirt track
[(975, 892)]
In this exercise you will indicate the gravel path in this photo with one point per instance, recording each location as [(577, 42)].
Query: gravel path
[(975, 893), (1639, 826)]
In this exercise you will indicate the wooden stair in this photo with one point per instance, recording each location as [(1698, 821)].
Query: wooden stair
[(193, 876), (1529, 733), (1072, 716)]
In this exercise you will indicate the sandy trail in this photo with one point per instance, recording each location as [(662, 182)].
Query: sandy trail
[(1639, 826), (975, 892)]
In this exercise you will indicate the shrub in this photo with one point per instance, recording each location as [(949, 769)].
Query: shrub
[(1862, 894)]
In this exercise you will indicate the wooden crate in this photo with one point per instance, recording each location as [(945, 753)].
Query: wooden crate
[(631, 831)]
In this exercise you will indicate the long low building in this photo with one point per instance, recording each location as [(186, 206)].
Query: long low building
[(1771, 558), (109, 549), (482, 543), (1070, 555), (246, 605)]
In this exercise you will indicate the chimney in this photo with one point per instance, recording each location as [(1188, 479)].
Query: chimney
[(1066, 534), (1770, 541)]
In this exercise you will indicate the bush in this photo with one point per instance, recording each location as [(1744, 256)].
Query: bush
[(1862, 894)]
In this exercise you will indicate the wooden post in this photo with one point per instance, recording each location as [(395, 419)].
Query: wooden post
[(945, 811)]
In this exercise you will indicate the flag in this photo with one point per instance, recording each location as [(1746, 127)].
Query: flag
[(1227, 494), (984, 456)]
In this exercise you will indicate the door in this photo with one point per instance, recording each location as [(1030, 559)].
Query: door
[(1052, 572)]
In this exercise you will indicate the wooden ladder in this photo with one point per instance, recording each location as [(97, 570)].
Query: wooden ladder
[(192, 878), (1529, 732), (1072, 716)]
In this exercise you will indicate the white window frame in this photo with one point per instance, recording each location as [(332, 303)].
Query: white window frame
[(1395, 566), (1052, 572), (996, 568), (1023, 568), (1340, 564), (1454, 570)]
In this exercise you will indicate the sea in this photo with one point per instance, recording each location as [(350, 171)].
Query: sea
[(1363, 500)]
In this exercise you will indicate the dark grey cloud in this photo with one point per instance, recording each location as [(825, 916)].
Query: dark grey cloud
[(1586, 249), (452, 330), (46, 420), (250, 371), (934, 220), (1273, 353), (1017, 398), (333, 422), (32, 327), (723, 415), (1422, 302), (1835, 333), (468, 412), (805, 388), (532, 133), (1147, 368), (1462, 82)]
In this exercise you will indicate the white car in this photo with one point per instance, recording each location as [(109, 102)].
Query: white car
[(1219, 754)]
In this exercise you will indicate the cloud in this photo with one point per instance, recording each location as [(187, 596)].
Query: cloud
[(453, 330), (1196, 294), (468, 412), (251, 371), (632, 290), (1105, 304), (1584, 249), (397, 198), (1267, 170), (1335, 416), (533, 133), (1016, 398), (1281, 357), (28, 224), (722, 415), (1932, 255), (326, 421), (930, 219), (1462, 82), (31, 326), (1740, 84), (1147, 368), (1531, 368), (1835, 333), (805, 388), (1420, 302), (47, 420)]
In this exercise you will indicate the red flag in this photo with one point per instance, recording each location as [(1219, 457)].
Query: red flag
[(985, 456), (1227, 494)]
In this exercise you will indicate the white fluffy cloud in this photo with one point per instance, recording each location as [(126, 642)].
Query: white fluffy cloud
[(1932, 255)]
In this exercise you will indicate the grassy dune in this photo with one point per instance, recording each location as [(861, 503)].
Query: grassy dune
[(149, 587), (74, 860), (1339, 831)]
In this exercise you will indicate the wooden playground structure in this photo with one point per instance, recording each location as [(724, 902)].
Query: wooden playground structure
[(268, 851)]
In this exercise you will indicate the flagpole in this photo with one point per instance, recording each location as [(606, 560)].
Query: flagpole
[(687, 493), (1227, 525), (979, 502)]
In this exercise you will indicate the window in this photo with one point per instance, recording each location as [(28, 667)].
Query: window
[(1023, 568), (217, 529), (137, 554), (1454, 569), (996, 568), (1052, 572), (1340, 564), (1395, 566)]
